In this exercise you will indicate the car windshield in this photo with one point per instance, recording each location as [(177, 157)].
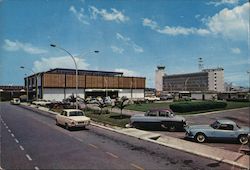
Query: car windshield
[(76, 113), (215, 125)]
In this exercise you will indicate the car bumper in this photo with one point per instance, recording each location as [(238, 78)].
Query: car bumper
[(189, 135), (83, 124)]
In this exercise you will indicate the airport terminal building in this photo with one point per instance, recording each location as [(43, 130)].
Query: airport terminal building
[(58, 84), (206, 80)]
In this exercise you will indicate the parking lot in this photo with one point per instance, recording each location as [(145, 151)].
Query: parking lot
[(240, 116)]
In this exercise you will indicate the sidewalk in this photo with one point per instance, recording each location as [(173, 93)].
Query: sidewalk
[(221, 155)]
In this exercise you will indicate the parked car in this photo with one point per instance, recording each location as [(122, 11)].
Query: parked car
[(15, 101), (158, 119), (41, 102), (72, 118), (166, 97), (220, 129), (152, 98)]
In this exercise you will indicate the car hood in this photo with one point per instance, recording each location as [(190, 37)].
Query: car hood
[(79, 118), (245, 128), (196, 127)]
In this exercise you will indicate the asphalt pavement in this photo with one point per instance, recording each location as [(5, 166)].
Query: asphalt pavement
[(31, 140)]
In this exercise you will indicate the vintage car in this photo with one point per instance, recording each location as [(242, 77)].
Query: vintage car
[(15, 101), (41, 102), (72, 118), (220, 129), (158, 119)]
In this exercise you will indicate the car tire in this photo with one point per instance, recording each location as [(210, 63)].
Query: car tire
[(243, 139), (67, 126), (200, 137), (171, 128)]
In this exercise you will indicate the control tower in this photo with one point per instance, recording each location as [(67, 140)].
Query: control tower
[(159, 73)]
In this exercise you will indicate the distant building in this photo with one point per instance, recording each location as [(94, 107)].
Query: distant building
[(159, 73), (9, 92), (206, 80), (58, 84)]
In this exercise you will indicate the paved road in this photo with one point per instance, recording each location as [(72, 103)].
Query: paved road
[(31, 140), (240, 116)]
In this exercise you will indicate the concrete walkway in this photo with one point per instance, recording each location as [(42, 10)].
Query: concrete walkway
[(221, 155)]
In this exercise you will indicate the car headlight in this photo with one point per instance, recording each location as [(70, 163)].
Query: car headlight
[(73, 123)]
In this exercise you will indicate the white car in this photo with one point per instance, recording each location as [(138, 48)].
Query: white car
[(15, 101), (41, 102), (72, 118), (152, 98)]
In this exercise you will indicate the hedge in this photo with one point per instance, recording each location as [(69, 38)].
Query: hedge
[(238, 100), (196, 106)]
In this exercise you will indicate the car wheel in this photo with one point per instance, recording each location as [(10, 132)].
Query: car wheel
[(67, 126), (243, 139), (200, 137), (172, 128)]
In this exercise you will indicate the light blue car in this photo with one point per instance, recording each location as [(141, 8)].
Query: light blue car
[(220, 129)]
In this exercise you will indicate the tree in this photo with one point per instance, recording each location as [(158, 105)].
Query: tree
[(101, 105), (122, 103)]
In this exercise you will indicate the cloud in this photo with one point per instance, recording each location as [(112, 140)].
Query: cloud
[(236, 50), (127, 72), (45, 64), (223, 2), (173, 31), (116, 49), (228, 23), (232, 24), (79, 15), (114, 15), (130, 43), (19, 46)]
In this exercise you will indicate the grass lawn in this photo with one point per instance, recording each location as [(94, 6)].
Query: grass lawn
[(114, 119), (146, 107)]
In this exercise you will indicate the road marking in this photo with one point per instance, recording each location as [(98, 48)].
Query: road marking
[(111, 154), (21, 147), (36, 168), (9, 130), (93, 146), (29, 158), (12, 135), (16, 141), (136, 166)]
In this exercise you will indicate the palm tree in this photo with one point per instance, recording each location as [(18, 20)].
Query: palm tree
[(122, 103), (101, 105)]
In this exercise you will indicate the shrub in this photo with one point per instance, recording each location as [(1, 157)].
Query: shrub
[(238, 100), (196, 106)]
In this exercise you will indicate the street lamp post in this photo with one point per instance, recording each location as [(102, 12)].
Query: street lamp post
[(73, 58), (248, 72), (22, 67)]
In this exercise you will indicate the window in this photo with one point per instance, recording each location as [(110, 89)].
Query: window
[(76, 113), (226, 127), (152, 113), (163, 114)]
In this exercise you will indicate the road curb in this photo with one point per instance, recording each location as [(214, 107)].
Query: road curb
[(221, 155)]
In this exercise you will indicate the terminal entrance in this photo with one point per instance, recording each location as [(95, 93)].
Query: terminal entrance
[(111, 94)]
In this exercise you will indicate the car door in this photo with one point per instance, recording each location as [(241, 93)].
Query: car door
[(225, 131), (61, 118), (151, 120)]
